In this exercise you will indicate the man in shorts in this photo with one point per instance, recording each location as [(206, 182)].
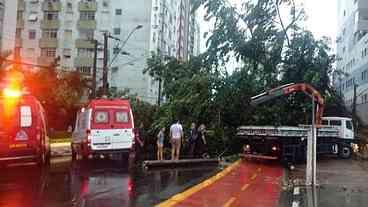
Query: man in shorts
[(176, 134)]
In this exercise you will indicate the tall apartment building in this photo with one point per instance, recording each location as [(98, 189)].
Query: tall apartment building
[(352, 54), (50, 28), (7, 22)]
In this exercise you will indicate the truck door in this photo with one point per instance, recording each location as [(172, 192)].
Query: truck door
[(348, 130)]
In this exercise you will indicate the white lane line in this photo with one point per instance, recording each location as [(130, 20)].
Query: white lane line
[(295, 204), (296, 191)]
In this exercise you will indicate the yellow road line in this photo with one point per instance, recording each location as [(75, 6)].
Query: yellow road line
[(245, 187), (253, 176), (183, 195), (229, 202)]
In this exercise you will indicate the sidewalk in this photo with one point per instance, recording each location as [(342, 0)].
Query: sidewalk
[(60, 149), (241, 184)]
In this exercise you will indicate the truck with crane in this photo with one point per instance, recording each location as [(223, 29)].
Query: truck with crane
[(289, 143)]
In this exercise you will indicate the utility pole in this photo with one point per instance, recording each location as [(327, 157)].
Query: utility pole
[(354, 116), (105, 69), (159, 93), (94, 81), (312, 151)]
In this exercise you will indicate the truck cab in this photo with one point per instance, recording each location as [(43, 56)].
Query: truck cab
[(104, 127), (343, 124)]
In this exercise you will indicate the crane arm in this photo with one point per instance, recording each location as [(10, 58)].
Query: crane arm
[(287, 89)]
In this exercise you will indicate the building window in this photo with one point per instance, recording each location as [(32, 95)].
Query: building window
[(84, 70), (48, 52), (19, 15), (116, 50), (49, 33), (365, 75), (32, 34), (87, 34), (105, 4), (69, 7), (117, 31), (87, 15), (85, 52), (67, 53), (118, 12), (68, 34), (50, 16)]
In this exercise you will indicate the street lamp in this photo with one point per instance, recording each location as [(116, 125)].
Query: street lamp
[(125, 42)]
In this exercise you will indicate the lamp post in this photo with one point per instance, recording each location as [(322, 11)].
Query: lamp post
[(105, 66)]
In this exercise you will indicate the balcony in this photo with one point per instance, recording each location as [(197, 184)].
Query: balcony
[(50, 24), (20, 24), (83, 62), (88, 6), (80, 43), (44, 60), (48, 43), (21, 5), (51, 6), (87, 24)]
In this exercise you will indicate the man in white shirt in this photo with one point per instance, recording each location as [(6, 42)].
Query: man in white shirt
[(176, 134)]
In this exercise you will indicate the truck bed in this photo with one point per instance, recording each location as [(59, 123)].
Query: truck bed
[(285, 131)]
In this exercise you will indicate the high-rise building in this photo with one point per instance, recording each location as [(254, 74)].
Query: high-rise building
[(352, 54), (66, 28), (7, 22)]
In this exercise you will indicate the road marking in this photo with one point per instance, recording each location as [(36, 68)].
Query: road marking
[(183, 195), (245, 187), (253, 176), (296, 191), (229, 202), (295, 204)]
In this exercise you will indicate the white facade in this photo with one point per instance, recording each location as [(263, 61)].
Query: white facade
[(352, 53), (7, 22), (50, 28)]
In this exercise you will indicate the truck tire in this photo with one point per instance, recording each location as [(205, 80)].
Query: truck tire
[(345, 151)]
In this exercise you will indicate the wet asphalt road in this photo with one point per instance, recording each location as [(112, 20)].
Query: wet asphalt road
[(341, 183), (102, 183)]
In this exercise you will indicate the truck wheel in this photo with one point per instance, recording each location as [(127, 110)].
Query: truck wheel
[(345, 151)]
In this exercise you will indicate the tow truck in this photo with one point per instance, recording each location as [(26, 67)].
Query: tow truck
[(289, 143)]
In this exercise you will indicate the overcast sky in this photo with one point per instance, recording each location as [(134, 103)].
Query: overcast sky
[(322, 18)]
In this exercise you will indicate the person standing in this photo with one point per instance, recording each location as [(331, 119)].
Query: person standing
[(160, 144), (193, 134), (176, 134), (202, 142), (139, 143)]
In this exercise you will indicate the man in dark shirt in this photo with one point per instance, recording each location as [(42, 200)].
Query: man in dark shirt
[(193, 134)]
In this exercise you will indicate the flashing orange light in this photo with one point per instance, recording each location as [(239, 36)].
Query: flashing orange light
[(12, 93)]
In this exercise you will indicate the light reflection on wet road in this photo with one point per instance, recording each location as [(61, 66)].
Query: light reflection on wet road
[(95, 184)]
